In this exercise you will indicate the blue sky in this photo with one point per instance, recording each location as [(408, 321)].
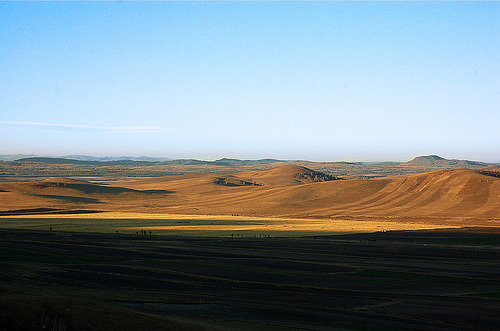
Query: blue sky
[(292, 80)]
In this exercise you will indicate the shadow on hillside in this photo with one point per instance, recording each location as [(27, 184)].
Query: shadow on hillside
[(156, 191), (69, 198), (36, 211), (101, 189), (92, 188)]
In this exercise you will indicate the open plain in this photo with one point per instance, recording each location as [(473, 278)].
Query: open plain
[(425, 280)]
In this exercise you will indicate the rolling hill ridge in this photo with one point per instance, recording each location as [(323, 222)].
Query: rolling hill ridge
[(110, 169), (287, 191)]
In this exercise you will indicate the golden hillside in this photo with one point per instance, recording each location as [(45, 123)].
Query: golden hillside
[(284, 192)]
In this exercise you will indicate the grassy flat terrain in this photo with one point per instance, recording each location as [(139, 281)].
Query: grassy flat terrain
[(211, 225), (427, 280)]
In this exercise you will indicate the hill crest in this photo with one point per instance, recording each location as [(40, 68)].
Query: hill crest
[(286, 175), (440, 162)]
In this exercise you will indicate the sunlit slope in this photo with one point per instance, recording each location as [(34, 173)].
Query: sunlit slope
[(288, 175), (65, 193), (282, 192), (446, 193)]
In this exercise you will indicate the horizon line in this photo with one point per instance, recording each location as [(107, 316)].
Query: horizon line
[(69, 156)]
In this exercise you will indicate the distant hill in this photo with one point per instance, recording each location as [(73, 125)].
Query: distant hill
[(239, 163), (186, 162), (37, 168), (439, 162), (58, 160), (429, 161), (222, 162), (287, 175), (140, 161), (13, 157), (114, 158)]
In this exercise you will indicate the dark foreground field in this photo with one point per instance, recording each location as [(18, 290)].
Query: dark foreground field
[(393, 280)]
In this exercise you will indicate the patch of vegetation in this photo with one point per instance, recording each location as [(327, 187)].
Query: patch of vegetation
[(234, 182)]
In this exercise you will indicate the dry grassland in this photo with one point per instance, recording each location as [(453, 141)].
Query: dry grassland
[(212, 225), (283, 201)]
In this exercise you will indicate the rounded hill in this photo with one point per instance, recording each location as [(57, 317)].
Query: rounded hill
[(288, 175), (435, 161)]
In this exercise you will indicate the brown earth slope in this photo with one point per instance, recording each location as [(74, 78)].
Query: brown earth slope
[(284, 192)]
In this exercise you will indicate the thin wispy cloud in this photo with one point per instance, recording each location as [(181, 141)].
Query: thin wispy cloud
[(87, 127)]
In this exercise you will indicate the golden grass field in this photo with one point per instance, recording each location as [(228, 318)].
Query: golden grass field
[(282, 201), (212, 225)]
